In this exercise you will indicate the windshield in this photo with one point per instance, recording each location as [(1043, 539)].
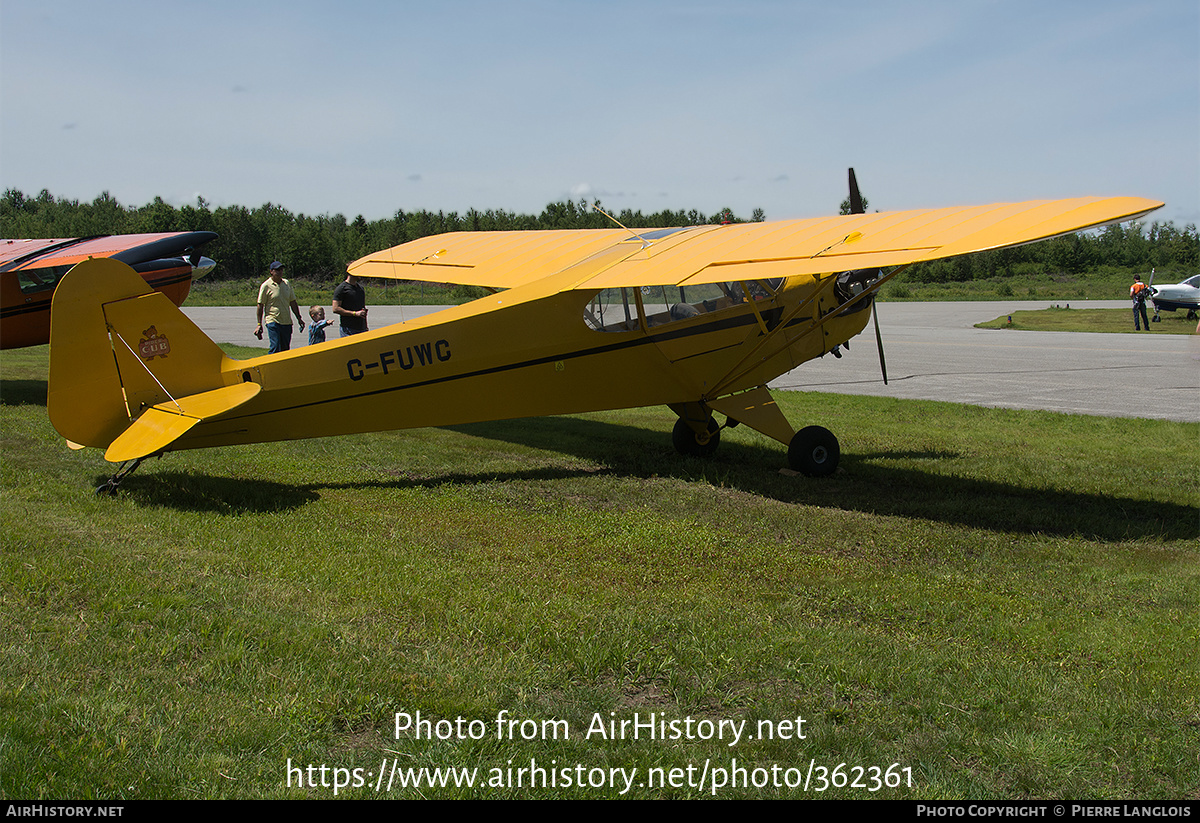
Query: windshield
[(43, 279)]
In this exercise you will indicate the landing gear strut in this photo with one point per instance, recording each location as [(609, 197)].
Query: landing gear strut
[(812, 451)]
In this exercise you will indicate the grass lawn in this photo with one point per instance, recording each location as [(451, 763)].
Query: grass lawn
[(1090, 320), (1105, 284), (982, 604)]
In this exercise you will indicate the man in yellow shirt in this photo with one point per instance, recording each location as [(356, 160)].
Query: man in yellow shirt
[(275, 298)]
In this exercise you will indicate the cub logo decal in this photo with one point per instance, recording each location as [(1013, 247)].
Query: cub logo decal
[(153, 344)]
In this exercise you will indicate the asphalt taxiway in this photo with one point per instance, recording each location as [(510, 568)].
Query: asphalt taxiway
[(933, 352)]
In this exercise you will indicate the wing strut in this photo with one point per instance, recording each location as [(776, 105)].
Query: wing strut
[(756, 354)]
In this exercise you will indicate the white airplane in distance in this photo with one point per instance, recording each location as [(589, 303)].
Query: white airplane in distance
[(1185, 296)]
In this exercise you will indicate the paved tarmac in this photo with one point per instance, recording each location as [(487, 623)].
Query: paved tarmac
[(934, 352)]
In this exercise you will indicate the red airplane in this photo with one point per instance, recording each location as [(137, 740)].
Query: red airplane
[(30, 270)]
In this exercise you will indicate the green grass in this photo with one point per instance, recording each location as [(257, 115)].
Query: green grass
[(1004, 602), (1106, 284), (1089, 320)]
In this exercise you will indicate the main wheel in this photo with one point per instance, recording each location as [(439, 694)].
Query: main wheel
[(814, 451), (687, 442)]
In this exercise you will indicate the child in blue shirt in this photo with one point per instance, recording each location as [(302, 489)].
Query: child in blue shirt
[(316, 332)]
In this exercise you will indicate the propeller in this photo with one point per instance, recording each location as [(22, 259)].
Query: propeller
[(856, 207), (856, 203), (878, 338)]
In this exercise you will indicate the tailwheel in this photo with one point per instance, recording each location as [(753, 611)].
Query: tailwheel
[(814, 451), (110, 486), (689, 442)]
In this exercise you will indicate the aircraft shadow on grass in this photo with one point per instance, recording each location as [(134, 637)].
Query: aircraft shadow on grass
[(186, 491), (867, 484), (22, 392)]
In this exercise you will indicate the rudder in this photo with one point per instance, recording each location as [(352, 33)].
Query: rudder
[(117, 349)]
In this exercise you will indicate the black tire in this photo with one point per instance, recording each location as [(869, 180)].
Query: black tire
[(814, 452), (687, 443)]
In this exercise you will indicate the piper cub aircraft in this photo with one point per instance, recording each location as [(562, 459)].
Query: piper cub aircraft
[(30, 269), (698, 319)]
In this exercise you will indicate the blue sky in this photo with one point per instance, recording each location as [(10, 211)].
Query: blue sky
[(369, 107)]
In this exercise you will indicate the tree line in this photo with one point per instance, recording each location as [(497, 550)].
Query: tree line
[(1130, 247), (320, 247), (314, 247)]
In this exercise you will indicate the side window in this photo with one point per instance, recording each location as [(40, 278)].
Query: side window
[(33, 281), (612, 310), (617, 310), (668, 304)]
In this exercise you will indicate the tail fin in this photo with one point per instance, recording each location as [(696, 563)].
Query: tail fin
[(129, 372)]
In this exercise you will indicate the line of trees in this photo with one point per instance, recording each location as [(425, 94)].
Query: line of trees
[(1131, 247), (314, 247), (320, 247)]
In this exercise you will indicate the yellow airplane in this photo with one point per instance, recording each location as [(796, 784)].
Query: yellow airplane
[(697, 318)]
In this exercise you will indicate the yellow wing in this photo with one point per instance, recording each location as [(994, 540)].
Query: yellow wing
[(743, 251), (499, 259)]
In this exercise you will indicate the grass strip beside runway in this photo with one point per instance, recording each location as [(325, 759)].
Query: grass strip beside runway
[(1003, 601)]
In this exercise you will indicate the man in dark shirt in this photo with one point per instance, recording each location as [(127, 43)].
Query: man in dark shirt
[(1138, 293), (350, 304)]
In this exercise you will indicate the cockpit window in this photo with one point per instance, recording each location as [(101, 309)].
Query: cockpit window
[(612, 310), (33, 281), (625, 309)]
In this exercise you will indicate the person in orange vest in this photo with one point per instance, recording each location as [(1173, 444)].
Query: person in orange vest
[(1138, 293)]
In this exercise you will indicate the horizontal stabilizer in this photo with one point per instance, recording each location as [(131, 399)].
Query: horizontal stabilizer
[(161, 425)]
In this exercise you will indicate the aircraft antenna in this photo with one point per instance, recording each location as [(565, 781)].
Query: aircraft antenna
[(645, 242)]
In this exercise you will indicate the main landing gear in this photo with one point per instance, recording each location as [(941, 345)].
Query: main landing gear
[(691, 443), (812, 451)]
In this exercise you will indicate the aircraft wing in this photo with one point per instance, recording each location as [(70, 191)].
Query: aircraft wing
[(499, 259), (132, 249), (742, 251)]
